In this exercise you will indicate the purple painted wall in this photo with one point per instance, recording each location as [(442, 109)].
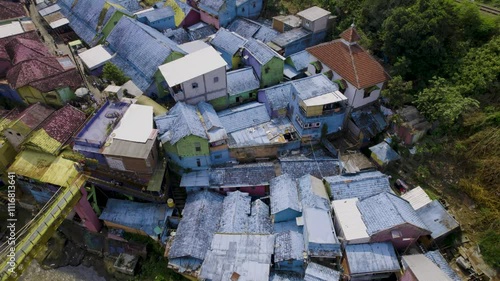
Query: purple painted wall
[(251, 61), (410, 234), (192, 17), (260, 191), (4, 67), (209, 19), (86, 213)]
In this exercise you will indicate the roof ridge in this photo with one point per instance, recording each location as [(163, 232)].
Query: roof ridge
[(354, 67)]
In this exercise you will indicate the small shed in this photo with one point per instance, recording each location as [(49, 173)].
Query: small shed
[(285, 203), (417, 197), (349, 222), (437, 219), (413, 126), (383, 154), (319, 234), (420, 268), (370, 261), (289, 251), (94, 59), (317, 272)]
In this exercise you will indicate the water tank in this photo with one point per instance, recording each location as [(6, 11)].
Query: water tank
[(170, 203)]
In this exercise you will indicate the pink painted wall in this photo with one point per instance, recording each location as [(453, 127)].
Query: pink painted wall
[(251, 190), (408, 276), (87, 214), (192, 17), (410, 234), (207, 18)]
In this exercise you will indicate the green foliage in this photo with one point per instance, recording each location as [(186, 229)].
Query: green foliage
[(398, 91), (113, 73), (490, 247)]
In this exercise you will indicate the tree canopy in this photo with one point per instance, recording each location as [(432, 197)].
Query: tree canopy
[(113, 73)]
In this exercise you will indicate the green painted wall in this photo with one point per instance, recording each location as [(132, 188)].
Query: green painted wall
[(235, 61), (7, 155), (243, 98), (275, 73), (158, 78), (65, 94), (187, 147), (219, 103)]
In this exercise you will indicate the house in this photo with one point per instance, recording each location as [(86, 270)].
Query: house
[(205, 82), (413, 125), (383, 153), (217, 135), (195, 233), (349, 222), (10, 11), (7, 151), (289, 251), (253, 135), (53, 17), (253, 179), (267, 64), (94, 59), (249, 29), (38, 76), (132, 146), (249, 8), (315, 165), (129, 42), (221, 13), (17, 27), (276, 99), (366, 123), (291, 42), (148, 219), (317, 107), (359, 75), (238, 257), (417, 197), (201, 31), (360, 185), (315, 19), (370, 261), (440, 261), (320, 239), (229, 44), (159, 19), (296, 65), (355, 162), (317, 272), (312, 193), (92, 21), (419, 267), (193, 46), (195, 181), (389, 218), (185, 15), (239, 215), (19, 125), (242, 86), (285, 23), (56, 131), (284, 198), (438, 220), (178, 35), (183, 137)]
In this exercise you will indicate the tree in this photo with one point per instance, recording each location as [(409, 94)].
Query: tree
[(113, 73), (398, 91)]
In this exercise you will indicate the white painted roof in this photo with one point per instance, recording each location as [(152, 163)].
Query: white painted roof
[(319, 226), (417, 197), (424, 269), (132, 88), (313, 13), (193, 46), (95, 57), (191, 66), (59, 22), (326, 99), (112, 89), (136, 124), (350, 220), (10, 29)]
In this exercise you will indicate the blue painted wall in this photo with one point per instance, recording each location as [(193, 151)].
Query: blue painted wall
[(292, 265), (190, 162), (219, 157), (249, 9), (286, 215), (160, 24), (7, 92)]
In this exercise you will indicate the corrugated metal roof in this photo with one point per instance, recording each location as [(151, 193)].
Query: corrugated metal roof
[(131, 149), (266, 34), (242, 175), (369, 120), (350, 220), (317, 272), (364, 259), (279, 96), (384, 152), (300, 60), (244, 116), (312, 193), (440, 261), (141, 216), (314, 86), (195, 179), (260, 51), (424, 269), (260, 220), (49, 10), (417, 197), (181, 121), (245, 256), (319, 167), (244, 27), (284, 194), (235, 213), (319, 226), (200, 220), (228, 41), (290, 36), (285, 226), (285, 276), (385, 211), (202, 32), (242, 81), (361, 185), (271, 132), (288, 246), (178, 35), (158, 14), (437, 219)]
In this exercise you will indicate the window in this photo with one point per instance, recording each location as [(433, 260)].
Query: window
[(369, 90), (238, 99), (198, 162), (251, 95), (396, 234), (197, 146), (218, 156), (18, 134), (254, 4), (366, 95), (242, 9), (194, 85), (266, 70), (52, 97), (216, 79)]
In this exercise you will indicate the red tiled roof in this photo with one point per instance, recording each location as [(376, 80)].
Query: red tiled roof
[(70, 78), (351, 62), (34, 115), (33, 70), (27, 35), (350, 34), (11, 10), (63, 123), (21, 49)]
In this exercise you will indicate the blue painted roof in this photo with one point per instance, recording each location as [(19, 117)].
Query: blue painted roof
[(133, 42), (211, 6), (141, 216), (298, 166), (384, 152), (440, 261), (371, 258), (361, 185), (300, 60), (288, 246), (284, 39), (202, 32), (181, 121), (385, 211), (244, 116), (284, 194), (265, 34), (312, 193), (260, 51), (130, 5), (158, 14), (279, 96), (84, 17), (369, 120), (437, 219), (178, 35), (244, 27), (314, 86), (200, 220), (242, 81), (210, 117), (228, 41), (317, 272)]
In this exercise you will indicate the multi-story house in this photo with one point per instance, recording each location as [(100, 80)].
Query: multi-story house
[(267, 64)]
